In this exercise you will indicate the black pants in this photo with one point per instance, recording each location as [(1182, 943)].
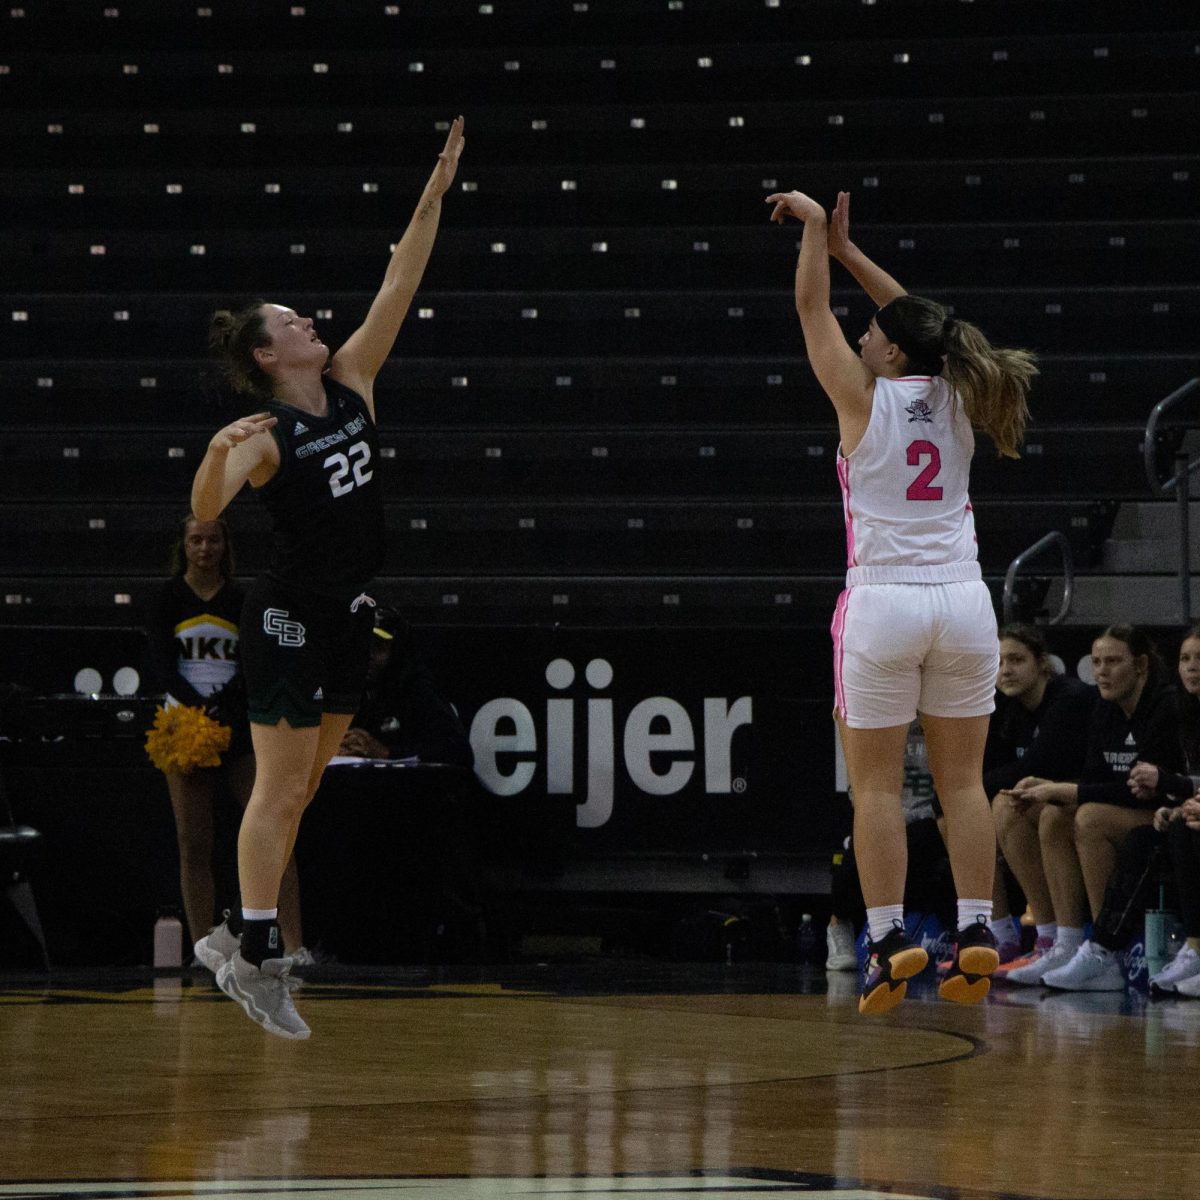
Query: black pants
[(1131, 890), (1184, 846)]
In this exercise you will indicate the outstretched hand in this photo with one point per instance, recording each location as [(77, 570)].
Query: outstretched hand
[(839, 226), (447, 163), (241, 430), (794, 204)]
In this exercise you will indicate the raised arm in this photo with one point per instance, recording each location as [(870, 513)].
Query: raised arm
[(243, 450), (358, 362), (872, 278), (847, 380)]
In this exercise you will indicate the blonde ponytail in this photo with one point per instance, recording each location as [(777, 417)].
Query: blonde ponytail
[(993, 383)]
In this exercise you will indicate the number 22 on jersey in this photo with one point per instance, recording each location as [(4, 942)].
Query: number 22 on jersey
[(350, 470)]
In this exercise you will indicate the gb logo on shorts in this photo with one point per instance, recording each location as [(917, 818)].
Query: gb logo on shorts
[(279, 624)]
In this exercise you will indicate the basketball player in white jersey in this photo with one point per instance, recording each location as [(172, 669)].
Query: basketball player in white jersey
[(914, 631)]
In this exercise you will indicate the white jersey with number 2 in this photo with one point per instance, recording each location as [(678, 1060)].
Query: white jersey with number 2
[(904, 488)]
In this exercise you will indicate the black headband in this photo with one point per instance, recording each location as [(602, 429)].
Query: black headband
[(921, 361)]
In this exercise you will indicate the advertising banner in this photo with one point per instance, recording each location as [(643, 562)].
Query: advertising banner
[(657, 739)]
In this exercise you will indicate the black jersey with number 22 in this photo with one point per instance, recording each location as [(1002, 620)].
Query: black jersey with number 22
[(325, 501)]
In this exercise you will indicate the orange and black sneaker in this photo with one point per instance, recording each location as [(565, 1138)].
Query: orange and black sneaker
[(891, 963), (975, 958)]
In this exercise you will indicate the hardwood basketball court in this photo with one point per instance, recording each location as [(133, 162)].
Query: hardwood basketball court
[(602, 1080)]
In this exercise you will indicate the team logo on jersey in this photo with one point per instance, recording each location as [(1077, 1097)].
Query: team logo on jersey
[(279, 624), (918, 410)]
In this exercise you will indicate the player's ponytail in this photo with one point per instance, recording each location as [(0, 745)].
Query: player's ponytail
[(992, 383), (233, 337)]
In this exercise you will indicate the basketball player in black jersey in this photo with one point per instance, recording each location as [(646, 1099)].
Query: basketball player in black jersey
[(313, 456)]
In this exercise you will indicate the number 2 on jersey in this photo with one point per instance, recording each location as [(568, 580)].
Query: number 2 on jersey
[(919, 489), (344, 465)]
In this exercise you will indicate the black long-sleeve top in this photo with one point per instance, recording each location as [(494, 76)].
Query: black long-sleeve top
[(1047, 741), (1184, 785), (1116, 742)]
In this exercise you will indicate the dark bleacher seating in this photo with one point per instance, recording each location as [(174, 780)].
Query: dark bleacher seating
[(676, 465), (626, 324), (595, 538), (549, 392), (600, 394), (1022, 254)]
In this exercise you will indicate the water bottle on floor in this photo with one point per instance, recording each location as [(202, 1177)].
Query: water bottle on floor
[(808, 948), (168, 940)]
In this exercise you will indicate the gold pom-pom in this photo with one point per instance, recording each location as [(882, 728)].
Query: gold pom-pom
[(184, 738)]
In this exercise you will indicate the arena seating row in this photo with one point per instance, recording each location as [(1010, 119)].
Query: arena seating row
[(671, 194), (552, 392), (672, 464), (712, 601), (736, 129), (302, 23), (591, 323), (400, 69), (590, 537), (231, 261)]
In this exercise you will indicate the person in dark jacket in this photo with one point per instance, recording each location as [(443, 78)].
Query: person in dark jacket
[(402, 714), (1174, 837), (1085, 821), (1040, 729)]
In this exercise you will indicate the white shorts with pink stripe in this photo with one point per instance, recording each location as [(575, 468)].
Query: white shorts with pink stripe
[(900, 649)]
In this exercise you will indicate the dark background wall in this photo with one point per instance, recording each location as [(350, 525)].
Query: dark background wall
[(602, 439)]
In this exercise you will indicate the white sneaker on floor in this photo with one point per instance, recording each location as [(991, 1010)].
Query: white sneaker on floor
[(302, 956), (1189, 986), (1091, 969), (839, 947), (217, 946), (264, 993), (1184, 965), (1032, 973)]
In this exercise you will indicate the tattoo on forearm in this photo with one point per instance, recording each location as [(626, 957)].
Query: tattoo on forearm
[(426, 209)]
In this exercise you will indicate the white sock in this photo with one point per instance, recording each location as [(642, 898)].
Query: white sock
[(1048, 931), (969, 912), (1069, 937), (881, 921), (259, 914)]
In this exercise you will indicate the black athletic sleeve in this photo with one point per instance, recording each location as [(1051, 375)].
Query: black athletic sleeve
[(1178, 787)]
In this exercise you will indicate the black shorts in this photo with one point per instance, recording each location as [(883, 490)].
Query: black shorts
[(303, 654)]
